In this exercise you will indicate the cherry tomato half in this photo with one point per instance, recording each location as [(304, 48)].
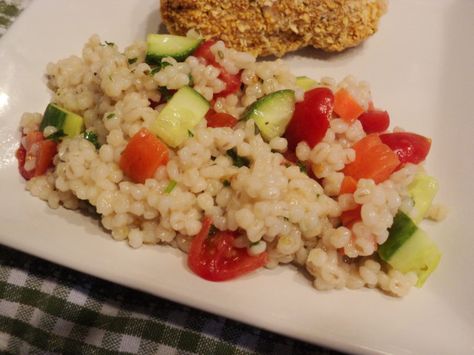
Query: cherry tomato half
[(35, 148), (410, 147), (204, 52), (214, 258), (232, 81), (374, 121), (310, 120)]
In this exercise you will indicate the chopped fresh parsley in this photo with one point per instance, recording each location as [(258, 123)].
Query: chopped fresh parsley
[(226, 183), (237, 159), (109, 43), (164, 64), (160, 66), (165, 93), (155, 70), (56, 136), (191, 80), (170, 187), (302, 167), (92, 137), (110, 115), (132, 60), (190, 134)]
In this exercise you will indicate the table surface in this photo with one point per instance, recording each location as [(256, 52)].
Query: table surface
[(47, 308)]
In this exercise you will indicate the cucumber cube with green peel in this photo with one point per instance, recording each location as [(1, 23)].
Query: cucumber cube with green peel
[(69, 122), (272, 113), (180, 115), (408, 248)]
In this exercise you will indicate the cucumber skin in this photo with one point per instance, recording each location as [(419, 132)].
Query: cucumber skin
[(72, 124), (401, 230), (409, 248), (154, 58), (251, 112), (53, 116)]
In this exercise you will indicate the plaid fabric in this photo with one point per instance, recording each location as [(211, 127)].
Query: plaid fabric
[(9, 10), (47, 309)]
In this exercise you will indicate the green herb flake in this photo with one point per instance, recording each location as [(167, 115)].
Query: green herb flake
[(170, 187), (237, 160), (132, 60), (109, 43), (190, 134), (110, 115), (191, 80), (226, 183), (212, 231), (164, 64), (56, 136), (165, 93), (154, 70), (92, 137), (302, 167)]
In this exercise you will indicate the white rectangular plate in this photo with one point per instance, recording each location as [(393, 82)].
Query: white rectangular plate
[(419, 65)]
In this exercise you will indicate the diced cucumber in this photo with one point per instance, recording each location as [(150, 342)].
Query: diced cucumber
[(70, 123), (272, 113), (408, 248), (422, 191), (160, 46), (305, 83), (180, 115)]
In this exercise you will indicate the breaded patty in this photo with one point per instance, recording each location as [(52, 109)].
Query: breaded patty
[(265, 27)]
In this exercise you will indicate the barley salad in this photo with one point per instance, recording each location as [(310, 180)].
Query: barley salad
[(236, 162)]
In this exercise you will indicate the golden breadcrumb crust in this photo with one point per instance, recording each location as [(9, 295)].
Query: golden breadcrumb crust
[(265, 27)]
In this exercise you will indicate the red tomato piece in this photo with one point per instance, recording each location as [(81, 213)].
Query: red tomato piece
[(35, 148), (348, 218), (410, 147), (204, 52), (374, 160), (375, 121), (310, 120), (143, 154), (214, 258), (220, 119), (232, 83)]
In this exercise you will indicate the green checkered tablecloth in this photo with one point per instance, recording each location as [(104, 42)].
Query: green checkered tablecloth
[(49, 309), (45, 308)]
